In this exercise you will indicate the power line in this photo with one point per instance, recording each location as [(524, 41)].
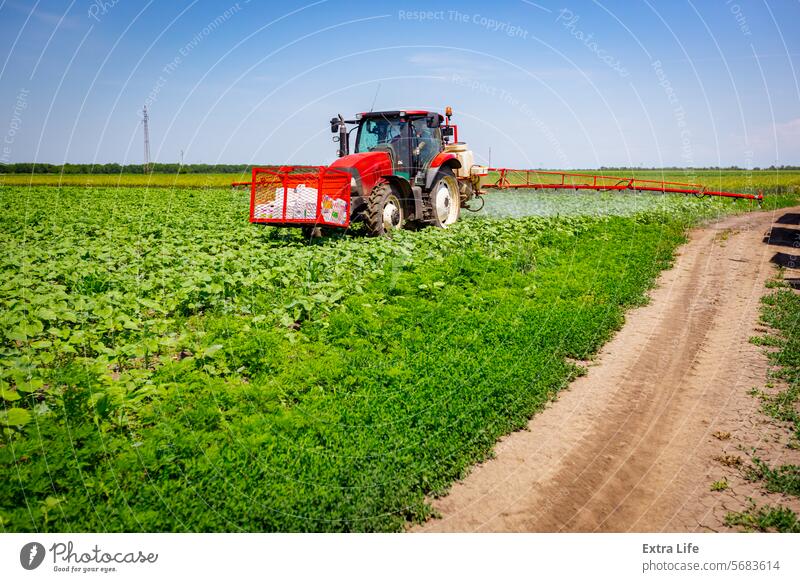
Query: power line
[(145, 119)]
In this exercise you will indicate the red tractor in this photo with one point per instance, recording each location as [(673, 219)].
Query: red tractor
[(403, 172)]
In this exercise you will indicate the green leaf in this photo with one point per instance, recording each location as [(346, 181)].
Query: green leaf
[(17, 334), (31, 385), (51, 501), (32, 328), (103, 312), (59, 332), (8, 394), (17, 417), (211, 350), (69, 316), (46, 314)]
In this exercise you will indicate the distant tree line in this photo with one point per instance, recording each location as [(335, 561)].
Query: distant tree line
[(30, 168)]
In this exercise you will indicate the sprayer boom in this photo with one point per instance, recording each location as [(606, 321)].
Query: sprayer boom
[(546, 180)]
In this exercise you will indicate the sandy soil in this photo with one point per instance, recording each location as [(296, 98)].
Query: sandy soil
[(631, 446)]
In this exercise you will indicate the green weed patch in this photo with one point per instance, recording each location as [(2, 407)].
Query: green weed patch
[(767, 518), (781, 312)]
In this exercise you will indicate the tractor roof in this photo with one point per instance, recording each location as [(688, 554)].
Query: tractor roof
[(396, 113)]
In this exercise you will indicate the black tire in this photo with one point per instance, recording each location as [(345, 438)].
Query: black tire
[(310, 232), (385, 212), (445, 205)]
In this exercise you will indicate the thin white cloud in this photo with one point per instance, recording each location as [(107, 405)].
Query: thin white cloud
[(447, 65), (47, 17), (789, 138), (774, 144)]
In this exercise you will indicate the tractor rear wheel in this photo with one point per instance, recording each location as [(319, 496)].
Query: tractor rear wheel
[(445, 199), (384, 212)]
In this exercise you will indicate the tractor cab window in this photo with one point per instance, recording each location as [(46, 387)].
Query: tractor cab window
[(431, 137), (376, 132)]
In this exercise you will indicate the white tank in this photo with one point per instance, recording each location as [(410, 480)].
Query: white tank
[(464, 156)]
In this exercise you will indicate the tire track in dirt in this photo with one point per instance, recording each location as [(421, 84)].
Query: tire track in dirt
[(629, 446)]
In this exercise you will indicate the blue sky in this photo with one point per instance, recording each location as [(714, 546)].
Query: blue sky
[(543, 84)]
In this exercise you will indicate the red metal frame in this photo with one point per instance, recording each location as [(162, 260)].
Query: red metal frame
[(455, 129), (595, 183), (325, 185)]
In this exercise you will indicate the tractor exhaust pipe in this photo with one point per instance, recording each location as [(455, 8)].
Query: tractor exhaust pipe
[(338, 125)]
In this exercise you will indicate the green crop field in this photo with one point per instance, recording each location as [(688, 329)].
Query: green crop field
[(166, 366)]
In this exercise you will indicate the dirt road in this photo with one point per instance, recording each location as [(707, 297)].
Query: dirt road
[(631, 445)]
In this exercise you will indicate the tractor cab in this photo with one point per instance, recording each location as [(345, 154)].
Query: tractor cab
[(412, 138)]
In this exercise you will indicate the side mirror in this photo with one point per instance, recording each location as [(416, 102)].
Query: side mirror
[(433, 120), (447, 131), (335, 125)]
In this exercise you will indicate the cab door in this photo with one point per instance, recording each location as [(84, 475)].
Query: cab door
[(427, 142), (403, 146)]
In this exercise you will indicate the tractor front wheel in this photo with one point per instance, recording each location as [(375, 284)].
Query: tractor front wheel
[(384, 212), (445, 199), (310, 231)]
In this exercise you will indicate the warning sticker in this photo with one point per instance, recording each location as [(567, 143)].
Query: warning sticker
[(334, 210)]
